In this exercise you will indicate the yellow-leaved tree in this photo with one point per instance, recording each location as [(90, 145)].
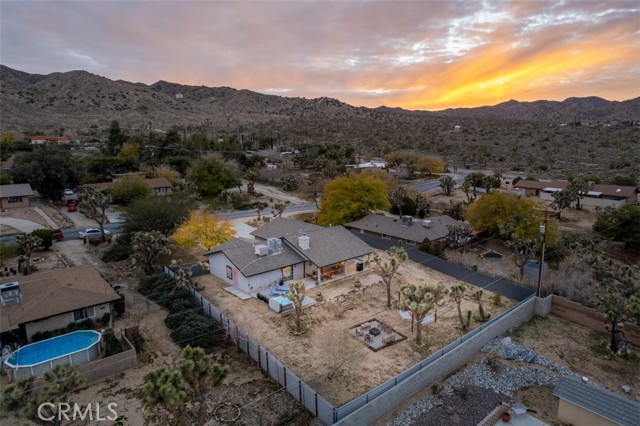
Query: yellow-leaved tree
[(203, 229)]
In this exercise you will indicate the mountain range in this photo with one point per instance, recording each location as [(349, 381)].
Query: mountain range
[(77, 100)]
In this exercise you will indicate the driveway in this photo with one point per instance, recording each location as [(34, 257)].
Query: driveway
[(497, 285), (21, 225)]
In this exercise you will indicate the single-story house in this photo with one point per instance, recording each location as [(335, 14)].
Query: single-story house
[(373, 164), (599, 195), (583, 403), (52, 300), (287, 249), (40, 140), (159, 186), (16, 195), (404, 230)]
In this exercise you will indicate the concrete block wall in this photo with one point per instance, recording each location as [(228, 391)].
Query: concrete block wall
[(112, 365), (439, 368)]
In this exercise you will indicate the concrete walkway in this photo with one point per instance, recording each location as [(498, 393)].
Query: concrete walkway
[(47, 219), (21, 225), (497, 285)]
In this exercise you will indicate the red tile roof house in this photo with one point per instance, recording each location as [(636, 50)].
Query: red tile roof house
[(404, 230), (599, 195), (40, 140), (51, 300), (287, 249)]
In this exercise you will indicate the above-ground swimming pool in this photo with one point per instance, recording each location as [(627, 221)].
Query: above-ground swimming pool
[(77, 348)]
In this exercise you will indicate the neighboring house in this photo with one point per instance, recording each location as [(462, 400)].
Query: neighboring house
[(583, 403), (287, 249), (52, 300), (16, 195), (159, 186), (405, 230), (373, 164), (40, 140), (599, 195)]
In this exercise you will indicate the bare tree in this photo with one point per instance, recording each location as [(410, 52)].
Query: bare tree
[(95, 204), (419, 301), (296, 295)]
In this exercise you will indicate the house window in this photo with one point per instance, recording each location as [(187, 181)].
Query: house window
[(229, 272), (287, 273), (84, 313), (14, 199), (386, 237), (411, 242)]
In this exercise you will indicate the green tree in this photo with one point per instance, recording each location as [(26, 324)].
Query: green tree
[(183, 390), (28, 244), (622, 224), (95, 204), (148, 246), (396, 198), (296, 295), (419, 301), (117, 138), (127, 189), (211, 177), (563, 199), (5, 179), (509, 216), (387, 269), (351, 198), (162, 214), (447, 184), (57, 387), (48, 169), (100, 169)]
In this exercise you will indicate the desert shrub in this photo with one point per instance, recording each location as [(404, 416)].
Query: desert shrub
[(157, 283), (117, 253), (111, 342), (46, 235), (181, 304), (176, 320), (434, 248), (8, 251), (200, 332), (168, 298)]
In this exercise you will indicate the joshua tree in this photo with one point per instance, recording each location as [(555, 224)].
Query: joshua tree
[(419, 301), (457, 294), (388, 269), (258, 206), (95, 204), (148, 246), (278, 209), (447, 184), (439, 292), (477, 296), (296, 295), (28, 244)]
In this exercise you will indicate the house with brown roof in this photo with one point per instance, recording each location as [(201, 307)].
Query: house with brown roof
[(405, 230), (159, 186), (600, 195), (52, 300), (16, 195), (287, 249)]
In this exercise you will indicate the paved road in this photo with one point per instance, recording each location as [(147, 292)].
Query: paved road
[(250, 213), (69, 233), (498, 285)]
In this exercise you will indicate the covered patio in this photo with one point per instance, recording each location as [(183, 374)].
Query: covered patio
[(316, 276)]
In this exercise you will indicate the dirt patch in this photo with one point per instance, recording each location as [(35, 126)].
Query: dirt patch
[(326, 339), (572, 345), (541, 402)]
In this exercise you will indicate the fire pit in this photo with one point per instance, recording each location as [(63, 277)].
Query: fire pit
[(374, 331)]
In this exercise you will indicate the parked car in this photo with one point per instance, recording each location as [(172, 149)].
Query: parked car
[(72, 206), (91, 232), (57, 234), (68, 193)]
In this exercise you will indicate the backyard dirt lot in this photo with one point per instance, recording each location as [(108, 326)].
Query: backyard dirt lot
[(326, 339)]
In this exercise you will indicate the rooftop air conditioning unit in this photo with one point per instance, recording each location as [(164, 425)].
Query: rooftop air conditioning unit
[(426, 223), (10, 291), (261, 250)]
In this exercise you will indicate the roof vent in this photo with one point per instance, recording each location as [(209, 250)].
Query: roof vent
[(618, 189), (426, 223), (261, 250), (10, 291), (303, 242)]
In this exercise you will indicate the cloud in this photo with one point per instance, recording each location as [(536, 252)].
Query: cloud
[(422, 55)]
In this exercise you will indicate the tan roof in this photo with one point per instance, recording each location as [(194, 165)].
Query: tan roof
[(15, 190), (50, 293), (606, 190)]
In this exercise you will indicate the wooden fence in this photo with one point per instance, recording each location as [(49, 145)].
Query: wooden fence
[(590, 318)]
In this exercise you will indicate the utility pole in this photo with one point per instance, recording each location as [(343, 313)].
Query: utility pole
[(543, 231)]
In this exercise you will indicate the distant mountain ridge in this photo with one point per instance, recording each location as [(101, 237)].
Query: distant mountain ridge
[(79, 99)]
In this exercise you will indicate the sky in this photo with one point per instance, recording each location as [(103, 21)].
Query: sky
[(429, 54)]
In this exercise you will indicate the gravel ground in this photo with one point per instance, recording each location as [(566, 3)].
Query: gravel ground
[(466, 398)]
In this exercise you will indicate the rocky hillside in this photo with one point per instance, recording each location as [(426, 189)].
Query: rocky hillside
[(536, 137)]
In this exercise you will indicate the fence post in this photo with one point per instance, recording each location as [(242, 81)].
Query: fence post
[(267, 355), (316, 393), (299, 390), (259, 358), (285, 376)]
